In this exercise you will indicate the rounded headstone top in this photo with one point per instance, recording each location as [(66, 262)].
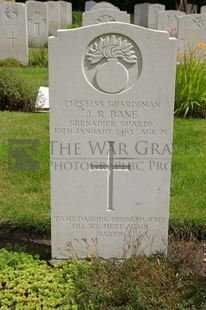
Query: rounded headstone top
[(103, 5)]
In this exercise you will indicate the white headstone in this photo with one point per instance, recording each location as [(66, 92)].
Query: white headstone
[(103, 5), (13, 32), (42, 101), (54, 17), (203, 9), (153, 10), (141, 14), (192, 33), (191, 8), (111, 123), (37, 20), (168, 20), (89, 5), (103, 16), (65, 13)]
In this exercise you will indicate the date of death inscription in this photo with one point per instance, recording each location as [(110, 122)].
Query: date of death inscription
[(123, 118)]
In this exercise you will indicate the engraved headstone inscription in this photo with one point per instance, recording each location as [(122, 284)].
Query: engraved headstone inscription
[(111, 124), (13, 32)]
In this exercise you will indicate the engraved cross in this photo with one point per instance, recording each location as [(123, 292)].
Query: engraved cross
[(37, 20), (110, 168), (12, 38)]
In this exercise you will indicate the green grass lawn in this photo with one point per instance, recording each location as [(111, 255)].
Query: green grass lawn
[(25, 195), (37, 76)]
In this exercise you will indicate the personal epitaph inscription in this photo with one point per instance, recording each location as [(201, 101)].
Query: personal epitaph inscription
[(111, 140)]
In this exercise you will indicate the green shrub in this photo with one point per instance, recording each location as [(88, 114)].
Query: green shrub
[(16, 93), (76, 20), (28, 283), (190, 94), (38, 56), (10, 62), (144, 283)]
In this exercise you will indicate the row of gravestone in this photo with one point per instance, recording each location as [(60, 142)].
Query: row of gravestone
[(30, 23), (47, 18), (190, 30)]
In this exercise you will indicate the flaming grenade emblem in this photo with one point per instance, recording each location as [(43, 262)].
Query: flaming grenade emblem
[(114, 56)]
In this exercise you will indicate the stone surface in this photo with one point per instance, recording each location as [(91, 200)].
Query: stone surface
[(168, 20), (104, 15), (203, 9), (111, 121), (89, 5), (65, 13), (42, 102), (153, 10), (37, 20), (191, 33), (103, 5), (53, 17), (141, 14), (13, 32)]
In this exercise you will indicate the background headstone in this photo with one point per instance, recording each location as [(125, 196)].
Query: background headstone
[(112, 104), (13, 32), (42, 101), (65, 13), (203, 9), (153, 10), (103, 5), (191, 33), (103, 16), (37, 20), (168, 20), (53, 17), (141, 14), (89, 5)]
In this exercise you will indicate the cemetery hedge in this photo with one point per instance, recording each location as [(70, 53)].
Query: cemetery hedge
[(16, 93)]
